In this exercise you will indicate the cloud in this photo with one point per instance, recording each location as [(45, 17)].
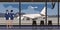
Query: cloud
[(29, 10)]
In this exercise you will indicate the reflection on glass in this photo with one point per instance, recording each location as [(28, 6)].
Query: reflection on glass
[(9, 6), (52, 13), (59, 13), (35, 11)]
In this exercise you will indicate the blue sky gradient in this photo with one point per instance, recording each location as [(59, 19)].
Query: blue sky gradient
[(25, 7), (9, 6)]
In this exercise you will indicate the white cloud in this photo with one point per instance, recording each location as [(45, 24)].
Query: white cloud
[(29, 10)]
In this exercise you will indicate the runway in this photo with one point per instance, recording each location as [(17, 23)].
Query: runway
[(29, 22), (3, 21)]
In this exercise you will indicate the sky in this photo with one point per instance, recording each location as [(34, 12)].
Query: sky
[(9, 6), (26, 7)]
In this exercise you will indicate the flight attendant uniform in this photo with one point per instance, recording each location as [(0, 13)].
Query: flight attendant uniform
[(11, 16), (7, 16)]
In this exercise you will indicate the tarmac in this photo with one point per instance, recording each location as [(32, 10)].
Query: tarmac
[(29, 22)]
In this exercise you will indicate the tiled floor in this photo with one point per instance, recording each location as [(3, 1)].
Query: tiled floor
[(32, 28)]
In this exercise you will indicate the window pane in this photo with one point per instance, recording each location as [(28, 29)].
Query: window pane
[(52, 12), (59, 13), (4, 6), (33, 10)]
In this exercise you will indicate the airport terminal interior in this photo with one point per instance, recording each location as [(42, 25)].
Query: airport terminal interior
[(30, 14)]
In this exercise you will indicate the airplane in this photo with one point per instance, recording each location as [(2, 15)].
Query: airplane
[(33, 16), (42, 13)]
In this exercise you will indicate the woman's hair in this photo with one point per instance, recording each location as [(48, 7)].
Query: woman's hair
[(11, 10)]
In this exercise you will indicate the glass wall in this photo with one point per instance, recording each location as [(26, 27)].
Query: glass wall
[(52, 13), (30, 9), (59, 13), (32, 12), (4, 6)]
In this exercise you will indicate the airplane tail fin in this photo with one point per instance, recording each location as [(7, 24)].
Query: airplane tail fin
[(43, 11)]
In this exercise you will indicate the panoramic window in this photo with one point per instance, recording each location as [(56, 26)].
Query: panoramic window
[(59, 13), (33, 10), (52, 13), (9, 11)]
